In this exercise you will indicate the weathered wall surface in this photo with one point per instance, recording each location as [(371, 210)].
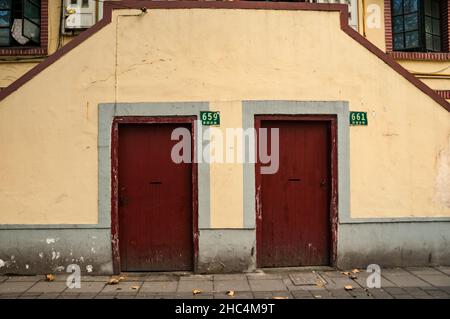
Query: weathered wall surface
[(49, 127)]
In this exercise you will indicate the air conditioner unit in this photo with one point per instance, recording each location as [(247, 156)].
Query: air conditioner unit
[(79, 14), (352, 10)]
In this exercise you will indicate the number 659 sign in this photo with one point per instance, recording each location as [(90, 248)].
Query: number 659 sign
[(210, 118), (358, 118)]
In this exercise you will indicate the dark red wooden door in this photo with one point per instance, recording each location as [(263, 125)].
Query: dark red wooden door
[(155, 201), (295, 222)]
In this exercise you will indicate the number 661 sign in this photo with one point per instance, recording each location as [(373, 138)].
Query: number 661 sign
[(358, 118)]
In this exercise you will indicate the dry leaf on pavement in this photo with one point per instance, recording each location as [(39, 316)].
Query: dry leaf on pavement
[(135, 287), (113, 281), (49, 277), (196, 291), (230, 293), (278, 297), (349, 287), (355, 271)]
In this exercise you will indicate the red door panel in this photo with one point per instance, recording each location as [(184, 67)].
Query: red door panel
[(155, 201), (295, 225)]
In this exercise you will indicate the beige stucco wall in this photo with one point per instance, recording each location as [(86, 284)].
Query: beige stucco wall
[(48, 129), (371, 25)]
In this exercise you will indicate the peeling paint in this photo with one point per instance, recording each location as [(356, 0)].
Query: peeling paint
[(41, 255), (27, 266), (50, 241), (2, 263), (89, 268)]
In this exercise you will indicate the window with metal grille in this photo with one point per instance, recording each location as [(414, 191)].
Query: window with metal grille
[(417, 25), (20, 23)]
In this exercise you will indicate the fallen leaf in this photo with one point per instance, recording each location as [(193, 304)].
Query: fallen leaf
[(317, 296), (353, 277), (122, 278), (135, 287), (346, 273), (230, 293), (196, 291), (320, 283), (49, 277), (279, 297), (113, 281), (355, 271), (349, 287)]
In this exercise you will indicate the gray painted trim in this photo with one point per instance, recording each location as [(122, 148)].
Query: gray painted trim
[(375, 220), (338, 108), (107, 112), (393, 244)]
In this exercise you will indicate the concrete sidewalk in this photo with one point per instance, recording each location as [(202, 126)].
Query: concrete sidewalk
[(396, 283)]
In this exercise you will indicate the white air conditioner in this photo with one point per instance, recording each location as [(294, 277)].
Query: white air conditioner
[(79, 14), (352, 10)]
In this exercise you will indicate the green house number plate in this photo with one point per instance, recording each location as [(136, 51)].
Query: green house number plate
[(358, 118), (210, 118)]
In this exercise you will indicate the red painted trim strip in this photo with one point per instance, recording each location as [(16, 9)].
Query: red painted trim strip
[(444, 93), (109, 6), (422, 56)]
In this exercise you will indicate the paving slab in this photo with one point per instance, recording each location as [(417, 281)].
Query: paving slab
[(230, 277), (394, 271), (237, 295), (267, 285), (28, 296), (263, 275), (306, 278), (262, 294), (444, 269), (87, 288), (301, 294), (48, 287), (159, 286), (48, 296), (103, 279), (189, 285), (161, 278), (423, 271), (235, 285), (395, 291), (24, 278), (15, 287), (403, 297), (9, 296), (196, 278), (86, 296), (405, 280), (122, 287), (439, 280)]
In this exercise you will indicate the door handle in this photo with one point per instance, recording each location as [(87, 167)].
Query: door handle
[(121, 198)]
